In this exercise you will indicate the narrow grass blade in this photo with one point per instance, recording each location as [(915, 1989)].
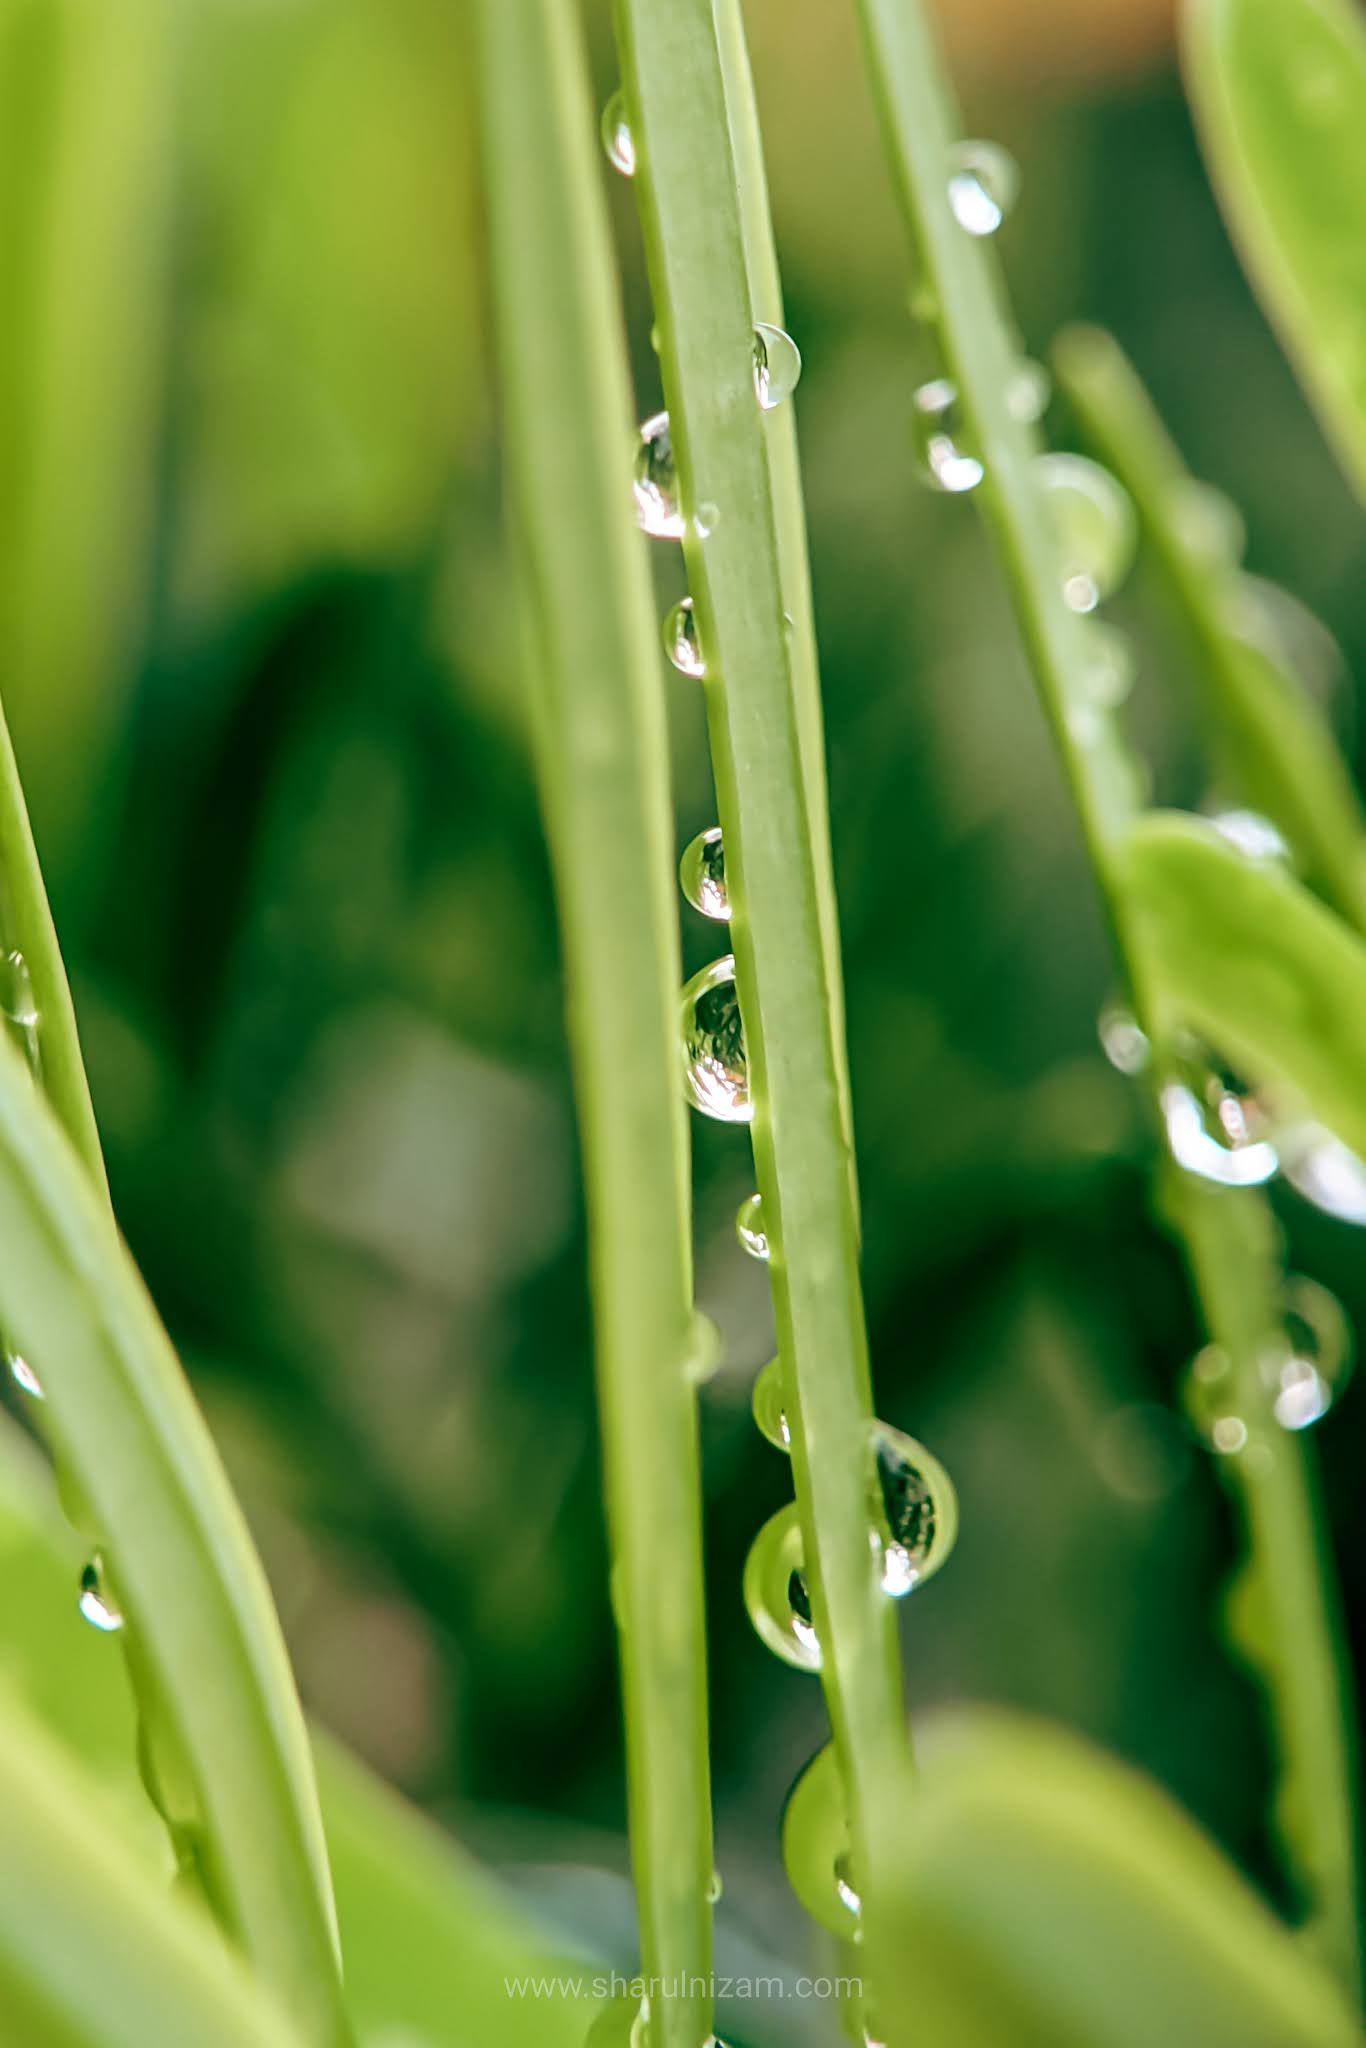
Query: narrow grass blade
[(222, 1721), (93, 1951), (1049, 1898), (602, 762), (686, 183), (1271, 745), (1241, 954), (1279, 95)]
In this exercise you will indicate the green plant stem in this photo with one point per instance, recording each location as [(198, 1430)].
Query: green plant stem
[(976, 338), (29, 930), (686, 182), (601, 753)]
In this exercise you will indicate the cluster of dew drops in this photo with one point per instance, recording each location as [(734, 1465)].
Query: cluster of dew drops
[(912, 1507), (20, 1021)]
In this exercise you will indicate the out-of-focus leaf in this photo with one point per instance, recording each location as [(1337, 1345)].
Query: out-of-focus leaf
[(84, 175), (428, 1937), (1279, 92), (1048, 1897), (1245, 957), (94, 1952)]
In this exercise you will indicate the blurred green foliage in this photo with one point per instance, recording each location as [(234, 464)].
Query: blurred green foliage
[(257, 642)]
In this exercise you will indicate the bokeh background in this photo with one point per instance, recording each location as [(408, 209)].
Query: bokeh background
[(258, 649)]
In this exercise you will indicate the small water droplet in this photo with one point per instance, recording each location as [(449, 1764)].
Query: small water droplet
[(23, 1375), (749, 1227), (1211, 1401), (1029, 392), (935, 431), (769, 1413), (658, 510), (1217, 1128), (816, 1846), (617, 138), (984, 182), (776, 1592), (1254, 836), (777, 365), (1123, 1041), (1325, 1172), (1305, 1373), (715, 1888), (682, 643), (702, 874), (916, 1512), (17, 1005), (1207, 523), (96, 1602), (716, 1070), (1094, 526), (707, 520)]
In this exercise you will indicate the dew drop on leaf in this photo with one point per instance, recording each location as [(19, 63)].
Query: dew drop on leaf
[(681, 641), (776, 1592), (935, 430), (702, 874), (916, 1511), (96, 1602), (1252, 835), (617, 138), (769, 1414), (1094, 528), (23, 1375), (1216, 1126), (984, 183), (777, 365), (658, 510), (749, 1226), (816, 1846), (715, 1068)]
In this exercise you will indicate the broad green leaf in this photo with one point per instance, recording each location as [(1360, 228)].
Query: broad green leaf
[(95, 1952), (222, 1718), (1048, 1897), (429, 1938), (1240, 953), (1279, 93)]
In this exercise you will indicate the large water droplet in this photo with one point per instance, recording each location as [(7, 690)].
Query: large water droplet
[(715, 1069), (702, 874), (1323, 1170), (1217, 1128), (658, 509), (816, 1846), (749, 1226), (1305, 1375), (916, 1512), (1254, 836), (935, 430), (23, 1375), (617, 138), (776, 1592), (984, 182), (17, 1005), (777, 365), (96, 1602), (769, 1412), (1207, 523), (681, 642), (1093, 524), (1123, 1040)]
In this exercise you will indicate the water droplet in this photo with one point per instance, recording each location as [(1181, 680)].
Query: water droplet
[(681, 641), (1207, 523), (916, 1512), (777, 365), (658, 510), (1123, 1041), (715, 1888), (715, 1068), (1306, 1373), (622, 2023), (705, 1350), (1110, 665), (1322, 1169), (769, 1413), (1094, 527), (984, 181), (1029, 392), (617, 138), (1254, 836), (707, 520), (935, 429), (17, 1005), (23, 1375), (749, 1227), (1211, 1401), (816, 1846), (1216, 1128), (776, 1592), (702, 874), (96, 1602)]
